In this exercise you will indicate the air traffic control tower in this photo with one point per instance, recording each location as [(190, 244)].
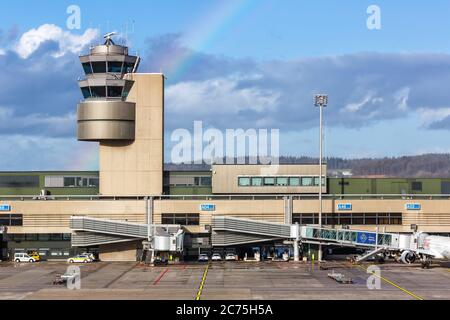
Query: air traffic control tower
[(124, 112)]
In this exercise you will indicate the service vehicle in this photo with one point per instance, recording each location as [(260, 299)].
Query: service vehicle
[(216, 257), (230, 257), (79, 259), (203, 258), (23, 257)]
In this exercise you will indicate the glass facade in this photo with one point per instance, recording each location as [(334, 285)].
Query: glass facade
[(181, 219), (19, 181), (11, 220), (80, 182), (279, 181), (349, 218)]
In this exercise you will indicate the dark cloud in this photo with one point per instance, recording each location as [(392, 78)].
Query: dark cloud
[(41, 91), (38, 90)]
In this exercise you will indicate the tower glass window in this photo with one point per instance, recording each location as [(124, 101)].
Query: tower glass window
[(115, 66), (87, 68), (128, 67), (86, 92), (114, 92), (99, 67), (98, 92)]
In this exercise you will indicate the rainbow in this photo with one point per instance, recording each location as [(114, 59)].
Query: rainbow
[(201, 35), (85, 158), (207, 31)]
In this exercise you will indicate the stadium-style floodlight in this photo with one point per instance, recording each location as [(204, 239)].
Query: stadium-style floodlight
[(320, 101)]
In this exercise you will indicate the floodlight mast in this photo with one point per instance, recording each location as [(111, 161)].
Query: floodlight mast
[(320, 101)]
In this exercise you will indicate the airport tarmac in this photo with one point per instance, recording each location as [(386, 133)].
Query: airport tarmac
[(224, 281)]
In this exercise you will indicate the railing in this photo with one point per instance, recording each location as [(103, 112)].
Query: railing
[(227, 197), (256, 227), (347, 236), (239, 227)]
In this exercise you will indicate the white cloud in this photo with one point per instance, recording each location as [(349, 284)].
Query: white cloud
[(430, 116), (220, 96), (358, 106), (401, 98), (30, 41)]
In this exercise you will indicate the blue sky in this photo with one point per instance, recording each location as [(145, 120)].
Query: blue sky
[(247, 63)]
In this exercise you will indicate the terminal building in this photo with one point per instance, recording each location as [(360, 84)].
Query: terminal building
[(132, 205)]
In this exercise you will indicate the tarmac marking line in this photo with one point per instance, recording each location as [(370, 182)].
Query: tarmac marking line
[(121, 275), (162, 274), (393, 284), (202, 283)]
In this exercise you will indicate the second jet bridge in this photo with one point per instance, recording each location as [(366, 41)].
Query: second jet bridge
[(228, 231)]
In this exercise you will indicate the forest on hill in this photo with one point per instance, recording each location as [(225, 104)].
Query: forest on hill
[(420, 166)]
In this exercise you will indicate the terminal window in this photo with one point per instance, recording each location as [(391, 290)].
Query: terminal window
[(349, 218), (11, 220), (181, 219), (416, 186), (19, 181), (280, 181), (244, 182)]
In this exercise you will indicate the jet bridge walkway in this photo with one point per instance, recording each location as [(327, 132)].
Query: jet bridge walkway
[(227, 231), (88, 231)]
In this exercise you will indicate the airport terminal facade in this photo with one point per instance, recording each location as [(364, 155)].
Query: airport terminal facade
[(60, 213)]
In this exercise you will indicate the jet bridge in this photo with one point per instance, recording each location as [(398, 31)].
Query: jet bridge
[(89, 231), (227, 231)]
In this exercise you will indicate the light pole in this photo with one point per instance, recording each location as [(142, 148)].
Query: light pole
[(321, 101)]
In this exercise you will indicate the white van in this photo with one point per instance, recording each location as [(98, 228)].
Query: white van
[(23, 257)]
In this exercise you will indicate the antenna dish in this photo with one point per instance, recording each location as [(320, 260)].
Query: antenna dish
[(108, 38)]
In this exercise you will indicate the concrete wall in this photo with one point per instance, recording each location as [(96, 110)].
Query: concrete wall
[(136, 168), (54, 216), (122, 251)]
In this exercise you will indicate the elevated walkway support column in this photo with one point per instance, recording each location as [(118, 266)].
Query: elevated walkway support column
[(288, 209), (149, 218), (296, 251)]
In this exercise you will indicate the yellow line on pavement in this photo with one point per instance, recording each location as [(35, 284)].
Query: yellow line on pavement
[(393, 284), (202, 283)]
